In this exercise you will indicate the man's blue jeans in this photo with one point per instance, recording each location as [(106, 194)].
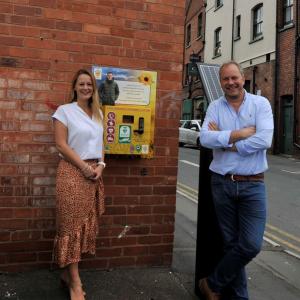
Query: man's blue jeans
[(241, 214)]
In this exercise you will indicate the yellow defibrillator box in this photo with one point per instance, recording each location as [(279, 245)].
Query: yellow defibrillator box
[(129, 121)]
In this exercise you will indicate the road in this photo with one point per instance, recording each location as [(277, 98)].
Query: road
[(275, 273), (283, 186)]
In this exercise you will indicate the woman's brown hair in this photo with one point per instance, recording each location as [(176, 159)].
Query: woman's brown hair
[(94, 101)]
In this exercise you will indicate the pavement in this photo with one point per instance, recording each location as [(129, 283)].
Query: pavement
[(273, 275)]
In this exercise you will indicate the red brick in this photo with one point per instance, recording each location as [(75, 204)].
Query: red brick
[(43, 3), (26, 246), (161, 8), (134, 5), (141, 190), (150, 200), (22, 257), (124, 241), (6, 213), (69, 26), (161, 229), (109, 252), (13, 224), (139, 230), (153, 260), (150, 239), (126, 200), (12, 202), (134, 210), (115, 210), (109, 40), (164, 190), (27, 11), (41, 22), (137, 250), (4, 236), (6, 8), (11, 41), (160, 249)]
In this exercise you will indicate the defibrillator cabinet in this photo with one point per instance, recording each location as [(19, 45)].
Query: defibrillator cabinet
[(129, 124), (127, 130)]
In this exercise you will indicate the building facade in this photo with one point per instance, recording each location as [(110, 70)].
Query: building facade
[(193, 48), (43, 43), (244, 31), (287, 108)]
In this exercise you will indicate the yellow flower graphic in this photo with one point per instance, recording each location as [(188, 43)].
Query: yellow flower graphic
[(145, 78)]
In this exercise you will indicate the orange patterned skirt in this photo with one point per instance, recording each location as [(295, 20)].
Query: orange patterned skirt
[(79, 205)]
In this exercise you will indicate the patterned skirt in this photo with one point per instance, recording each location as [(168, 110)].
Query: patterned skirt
[(79, 205)]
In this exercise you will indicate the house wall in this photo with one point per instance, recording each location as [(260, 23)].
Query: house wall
[(42, 44)]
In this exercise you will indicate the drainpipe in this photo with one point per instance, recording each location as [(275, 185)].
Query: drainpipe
[(232, 33), (254, 79), (276, 100), (296, 77)]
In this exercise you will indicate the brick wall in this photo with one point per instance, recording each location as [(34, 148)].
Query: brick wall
[(196, 46), (42, 44), (195, 8), (264, 79), (286, 71)]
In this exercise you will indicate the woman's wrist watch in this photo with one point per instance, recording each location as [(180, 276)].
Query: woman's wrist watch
[(102, 163)]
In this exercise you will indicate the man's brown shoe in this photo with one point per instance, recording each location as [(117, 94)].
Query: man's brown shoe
[(206, 291)]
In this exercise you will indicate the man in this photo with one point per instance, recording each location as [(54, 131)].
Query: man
[(239, 128), (108, 90)]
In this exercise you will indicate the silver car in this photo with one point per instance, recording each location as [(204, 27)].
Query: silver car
[(189, 132)]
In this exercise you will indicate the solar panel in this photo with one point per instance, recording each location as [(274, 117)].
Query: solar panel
[(210, 79)]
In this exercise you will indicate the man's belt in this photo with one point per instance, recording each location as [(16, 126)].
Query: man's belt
[(256, 177)]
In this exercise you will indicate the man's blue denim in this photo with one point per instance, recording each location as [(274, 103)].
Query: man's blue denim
[(241, 213)]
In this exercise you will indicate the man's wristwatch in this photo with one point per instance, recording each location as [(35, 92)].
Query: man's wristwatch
[(102, 163)]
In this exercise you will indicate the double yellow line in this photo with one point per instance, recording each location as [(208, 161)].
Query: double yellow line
[(282, 238)]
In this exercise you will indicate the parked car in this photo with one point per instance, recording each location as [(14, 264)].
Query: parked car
[(189, 132)]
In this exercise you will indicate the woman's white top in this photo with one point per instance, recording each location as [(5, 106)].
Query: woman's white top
[(85, 135)]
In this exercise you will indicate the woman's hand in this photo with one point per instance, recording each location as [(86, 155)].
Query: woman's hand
[(98, 172), (88, 172)]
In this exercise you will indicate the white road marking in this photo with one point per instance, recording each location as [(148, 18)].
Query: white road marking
[(187, 196), (268, 237), (189, 163), (292, 172)]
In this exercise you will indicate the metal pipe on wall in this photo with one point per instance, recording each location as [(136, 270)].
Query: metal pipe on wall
[(296, 77), (232, 31)]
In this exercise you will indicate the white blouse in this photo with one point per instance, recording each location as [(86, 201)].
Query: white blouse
[(85, 135)]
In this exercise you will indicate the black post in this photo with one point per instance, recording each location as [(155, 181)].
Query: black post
[(209, 242)]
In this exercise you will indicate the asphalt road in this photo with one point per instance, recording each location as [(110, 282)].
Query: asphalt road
[(275, 272), (283, 189)]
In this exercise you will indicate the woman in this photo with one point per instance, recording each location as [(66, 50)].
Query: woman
[(79, 187)]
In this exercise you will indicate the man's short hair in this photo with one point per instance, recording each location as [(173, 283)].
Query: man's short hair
[(109, 72), (231, 62)]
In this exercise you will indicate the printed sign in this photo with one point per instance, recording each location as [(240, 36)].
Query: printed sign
[(124, 134)]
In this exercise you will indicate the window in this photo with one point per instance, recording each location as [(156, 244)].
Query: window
[(199, 33), (188, 35), (217, 46), (287, 12), (219, 3), (257, 21), (238, 27)]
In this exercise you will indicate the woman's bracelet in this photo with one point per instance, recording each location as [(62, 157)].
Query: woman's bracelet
[(102, 163)]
